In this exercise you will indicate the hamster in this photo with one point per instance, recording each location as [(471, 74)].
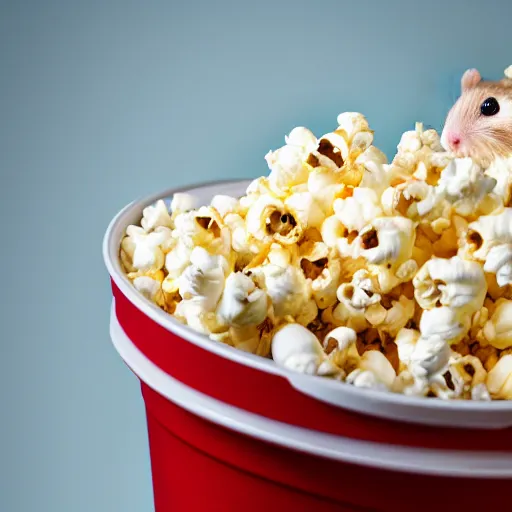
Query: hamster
[(479, 125)]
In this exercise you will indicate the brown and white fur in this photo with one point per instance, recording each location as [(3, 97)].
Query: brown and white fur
[(469, 133)]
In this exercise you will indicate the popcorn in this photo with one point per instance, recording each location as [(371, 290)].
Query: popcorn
[(286, 287), (242, 303), (308, 211), (203, 280), (498, 329), (387, 240), (177, 260), (444, 322), (501, 171), (225, 205), (200, 286), (490, 241), (356, 300), (155, 215), (340, 345), (143, 251), (391, 276), (269, 220), (374, 372), (358, 210), (405, 341), (182, 202), (473, 375), (454, 283), (396, 317), (465, 186), (287, 163), (296, 348), (203, 228), (499, 379), (317, 263), (324, 186)]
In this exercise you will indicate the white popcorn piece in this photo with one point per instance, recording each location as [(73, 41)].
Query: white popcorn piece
[(376, 175), (302, 138), (142, 250), (357, 302), (412, 199), (156, 215), (480, 393), (307, 313), (432, 139), (242, 302), (325, 286), (286, 287), (454, 283), (307, 210), (246, 338), (492, 230), (287, 163), (501, 170), (508, 72), (150, 287), (357, 211), (192, 314), (282, 256), (489, 239), (448, 385), (332, 152), (319, 264), (464, 185), (341, 345), (396, 317), (225, 204), (473, 375), (410, 142), (374, 372), (332, 231), (323, 184), (202, 282), (445, 323), (499, 379), (269, 220), (203, 228), (298, 349), (497, 330), (499, 262), (352, 123), (360, 293), (405, 341), (430, 356), (182, 202), (387, 241), (176, 261), (409, 384)]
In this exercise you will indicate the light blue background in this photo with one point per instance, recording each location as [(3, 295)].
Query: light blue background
[(104, 101)]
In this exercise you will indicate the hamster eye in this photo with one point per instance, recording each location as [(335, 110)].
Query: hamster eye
[(490, 107)]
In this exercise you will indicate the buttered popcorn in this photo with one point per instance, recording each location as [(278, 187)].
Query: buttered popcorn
[(390, 275)]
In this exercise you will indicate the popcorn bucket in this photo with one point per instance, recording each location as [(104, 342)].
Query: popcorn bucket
[(232, 431)]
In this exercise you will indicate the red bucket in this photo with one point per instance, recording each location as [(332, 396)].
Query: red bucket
[(231, 431)]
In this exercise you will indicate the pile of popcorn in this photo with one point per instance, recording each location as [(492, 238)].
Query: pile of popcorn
[(392, 276)]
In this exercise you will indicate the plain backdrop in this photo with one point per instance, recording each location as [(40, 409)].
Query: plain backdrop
[(104, 101)]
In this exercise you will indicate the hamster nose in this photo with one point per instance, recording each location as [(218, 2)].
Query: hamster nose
[(454, 140)]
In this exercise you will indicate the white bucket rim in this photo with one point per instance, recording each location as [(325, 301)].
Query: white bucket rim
[(426, 461)]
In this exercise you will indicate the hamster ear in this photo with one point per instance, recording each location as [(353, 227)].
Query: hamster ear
[(469, 79)]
